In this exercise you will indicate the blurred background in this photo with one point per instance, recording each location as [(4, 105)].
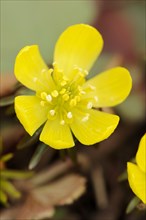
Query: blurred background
[(122, 25), (38, 22), (25, 22)]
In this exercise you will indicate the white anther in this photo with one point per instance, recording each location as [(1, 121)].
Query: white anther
[(84, 119), (63, 83), (96, 98), (89, 105), (62, 122), (69, 115), (54, 93), (49, 98), (52, 112)]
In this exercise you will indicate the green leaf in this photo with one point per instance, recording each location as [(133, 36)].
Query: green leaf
[(28, 141), (37, 155), (9, 188), (132, 204), (3, 197), (10, 110), (123, 176), (7, 101), (11, 174), (6, 157), (1, 145)]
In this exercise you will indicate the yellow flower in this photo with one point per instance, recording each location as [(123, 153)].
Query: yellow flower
[(63, 99), (137, 172)]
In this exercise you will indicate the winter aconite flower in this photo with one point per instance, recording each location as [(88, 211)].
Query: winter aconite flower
[(63, 99), (137, 172)]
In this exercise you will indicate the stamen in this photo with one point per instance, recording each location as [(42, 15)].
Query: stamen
[(73, 102), (54, 63), (52, 112), (56, 69), (69, 115), (62, 91), (50, 71), (65, 78), (43, 95), (65, 97), (77, 98), (55, 93), (81, 91), (63, 83), (81, 74), (49, 98), (89, 105)]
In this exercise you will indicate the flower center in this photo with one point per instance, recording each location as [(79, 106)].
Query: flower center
[(66, 96)]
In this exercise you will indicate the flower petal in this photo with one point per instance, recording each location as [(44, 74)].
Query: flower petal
[(31, 70), (30, 113), (56, 135), (93, 126), (141, 154), (79, 45), (112, 87), (137, 181)]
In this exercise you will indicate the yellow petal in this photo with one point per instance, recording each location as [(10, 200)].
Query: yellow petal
[(137, 181), (141, 154), (30, 113), (93, 126), (31, 70), (79, 45), (56, 135), (112, 86)]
